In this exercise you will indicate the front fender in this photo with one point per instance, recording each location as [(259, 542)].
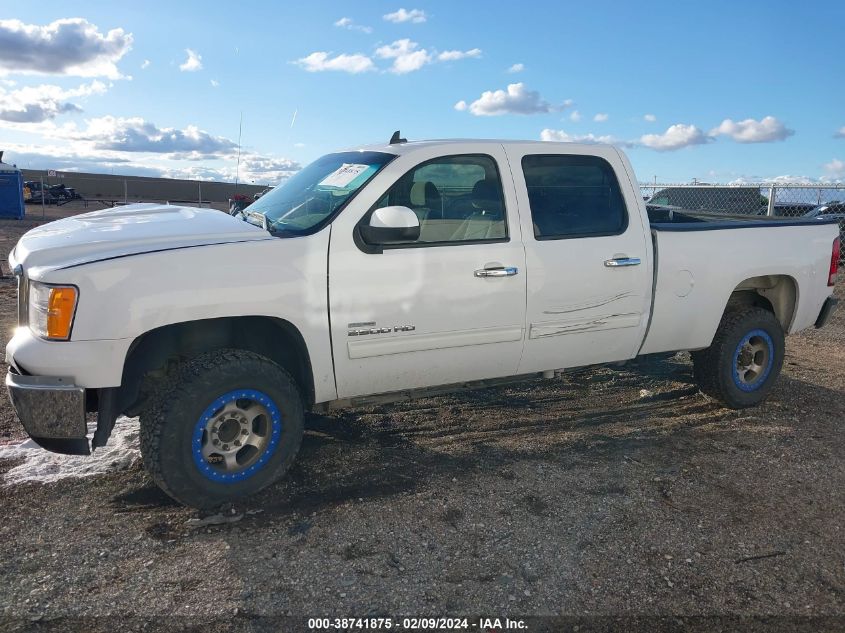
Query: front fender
[(123, 298)]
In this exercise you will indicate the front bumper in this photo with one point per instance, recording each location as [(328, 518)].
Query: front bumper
[(52, 410), (827, 309)]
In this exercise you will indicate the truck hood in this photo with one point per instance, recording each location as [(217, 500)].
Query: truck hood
[(129, 230)]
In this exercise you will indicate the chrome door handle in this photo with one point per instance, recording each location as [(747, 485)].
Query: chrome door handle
[(506, 271), (622, 261)]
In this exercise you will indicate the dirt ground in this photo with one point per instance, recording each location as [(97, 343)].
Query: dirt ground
[(618, 497)]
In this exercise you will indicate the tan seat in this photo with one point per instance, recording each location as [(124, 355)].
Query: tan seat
[(425, 195)]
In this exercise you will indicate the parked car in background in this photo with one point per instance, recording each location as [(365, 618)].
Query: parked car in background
[(64, 193), (262, 193), (834, 210), (792, 209), (52, 194), (39, 194), (713, 199)]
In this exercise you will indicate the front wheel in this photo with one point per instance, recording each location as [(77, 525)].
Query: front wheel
[(744, 360), (228, 424)]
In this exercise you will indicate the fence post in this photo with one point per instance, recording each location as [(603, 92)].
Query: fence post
[(770, 211), (43, 211), (125, 192)]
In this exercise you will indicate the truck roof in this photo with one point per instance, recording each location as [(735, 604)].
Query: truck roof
[(408, 147)]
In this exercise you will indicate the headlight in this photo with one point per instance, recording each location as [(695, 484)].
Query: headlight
[(51, 310)]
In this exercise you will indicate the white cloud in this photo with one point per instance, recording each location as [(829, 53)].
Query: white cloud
[(322, 61), (840, 133), (461, 106), (516, 68), (675, 137), (601, 117), (515, 100), (73, 47), (145, 64), (406, 56), (650, 118), (193, 63), (835, 168), (86, 157), (54, 157), (766, 130), (561, 136), (37, 104), (448, 56), (349, 23), (276, 168), (415, 16), (575, 116), (134, 134), (215, 83)]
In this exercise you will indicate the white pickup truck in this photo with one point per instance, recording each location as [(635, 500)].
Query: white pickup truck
[(387, 272)]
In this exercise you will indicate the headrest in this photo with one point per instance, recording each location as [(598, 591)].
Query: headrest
[(423, 194), (487, 197)]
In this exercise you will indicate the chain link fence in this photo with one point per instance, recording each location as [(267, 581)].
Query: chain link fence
[(821, 201), (766, 199), (48, 189)]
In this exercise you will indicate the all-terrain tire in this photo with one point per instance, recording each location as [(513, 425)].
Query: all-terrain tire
[(173, 426), (718, 369)]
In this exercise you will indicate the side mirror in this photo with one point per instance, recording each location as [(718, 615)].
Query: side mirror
[(391, 224)]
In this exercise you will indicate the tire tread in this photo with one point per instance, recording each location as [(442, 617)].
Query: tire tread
[(179, 381), (709, 363)]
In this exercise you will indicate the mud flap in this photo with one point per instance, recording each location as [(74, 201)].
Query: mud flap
[(106, 415)]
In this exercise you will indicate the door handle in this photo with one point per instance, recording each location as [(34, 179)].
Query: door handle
[(504, 271), (622, 261)]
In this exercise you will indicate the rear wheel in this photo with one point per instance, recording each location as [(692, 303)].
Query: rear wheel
[(744, 360), (228, 424)]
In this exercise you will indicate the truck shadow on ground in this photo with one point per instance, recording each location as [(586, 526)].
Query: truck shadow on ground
[(382, 452)]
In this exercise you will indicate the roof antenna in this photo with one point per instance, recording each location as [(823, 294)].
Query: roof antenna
[(396, 138)]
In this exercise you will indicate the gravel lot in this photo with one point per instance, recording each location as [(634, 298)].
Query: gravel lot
[(613, 492)]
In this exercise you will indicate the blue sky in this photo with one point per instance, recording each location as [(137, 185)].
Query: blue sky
[(717, 91)]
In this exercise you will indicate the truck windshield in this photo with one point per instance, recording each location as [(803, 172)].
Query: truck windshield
[(307, 201)]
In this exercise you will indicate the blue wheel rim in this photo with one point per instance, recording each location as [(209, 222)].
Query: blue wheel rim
[(217, 475), (759, 338)]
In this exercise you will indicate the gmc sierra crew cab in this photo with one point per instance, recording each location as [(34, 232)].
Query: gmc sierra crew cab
[(386, 272)]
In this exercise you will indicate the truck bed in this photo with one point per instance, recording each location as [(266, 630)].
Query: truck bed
[(667, 219), (701, 259)]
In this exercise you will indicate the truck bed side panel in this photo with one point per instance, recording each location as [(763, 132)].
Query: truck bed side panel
[(698, 270)]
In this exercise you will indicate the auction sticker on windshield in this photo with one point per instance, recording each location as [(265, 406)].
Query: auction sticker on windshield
[(343, 175)]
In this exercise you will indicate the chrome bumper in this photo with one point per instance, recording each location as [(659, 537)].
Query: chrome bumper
[(52, 410)]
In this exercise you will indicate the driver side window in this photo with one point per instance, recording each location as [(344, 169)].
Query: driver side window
[(456, 198)]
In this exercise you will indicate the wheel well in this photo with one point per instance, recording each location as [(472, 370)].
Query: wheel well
[(776, 293), (152, 354)]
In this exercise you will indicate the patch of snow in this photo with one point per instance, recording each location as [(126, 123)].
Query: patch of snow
[(42, 466)]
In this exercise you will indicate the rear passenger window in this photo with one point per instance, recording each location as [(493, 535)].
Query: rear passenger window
[(456, 198), (573, 196)]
